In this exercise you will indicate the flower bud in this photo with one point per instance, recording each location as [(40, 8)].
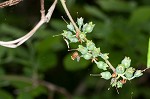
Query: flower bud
[(102, 65), (123, 81), (88, 27), (67, 34), (73, 39), (87, 56), (120, 69), (80, 22), (104, 56), (90, 45), (129, 72), (75, 55), (119, 84), (82, 36), (126, 62), (106, 75), (114, 75), (138, 73), (96, 52), (82, 49), (70, 27), (113, 82)]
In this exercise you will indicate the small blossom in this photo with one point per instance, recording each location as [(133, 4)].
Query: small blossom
[(119, 84), (113, 82), (87, 56), (102, 65), (73, 39), (88, 27), (104, 56), (96, 52), (82, 36), (82, 49), (67, 34), (129, 72), (126, 62), (120, 69), (138, 73), (90, 45), (106, 75), (80, 22), (70, 27)]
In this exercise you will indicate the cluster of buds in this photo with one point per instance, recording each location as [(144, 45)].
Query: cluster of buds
[(124, 72), (86, 49)]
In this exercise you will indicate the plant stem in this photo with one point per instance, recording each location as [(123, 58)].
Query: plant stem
[(78, 30), (110, 65), (69, 16)]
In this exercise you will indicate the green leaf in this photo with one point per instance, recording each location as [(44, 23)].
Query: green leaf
[(5, 95), (2, 51), (47, 60), (35, 92), (24, 95), (95, 12), (117, 5), (10, 30), (58, 24), (140, 16), (21, 84), (2, 71), (73, 65), (148, 55), (50, 43)]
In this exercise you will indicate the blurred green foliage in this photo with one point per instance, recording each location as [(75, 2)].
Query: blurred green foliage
[(122, 29)]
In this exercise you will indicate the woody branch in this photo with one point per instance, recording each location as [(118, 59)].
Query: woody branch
[(44, 19)]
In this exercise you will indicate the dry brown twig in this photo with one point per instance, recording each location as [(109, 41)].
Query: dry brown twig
[(44, 19), (9, 3)]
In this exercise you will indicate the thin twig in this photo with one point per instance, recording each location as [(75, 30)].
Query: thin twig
[(69, 16), (9, 3), (53, 88), (78, 30), (42, 9), (48, 85), (44, 19), (111, 67)]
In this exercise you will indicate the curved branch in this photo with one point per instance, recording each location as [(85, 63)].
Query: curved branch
[(9, 3), (44, 19), (69, 16)]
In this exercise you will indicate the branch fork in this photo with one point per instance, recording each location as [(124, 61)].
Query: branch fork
[(44, 19)]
